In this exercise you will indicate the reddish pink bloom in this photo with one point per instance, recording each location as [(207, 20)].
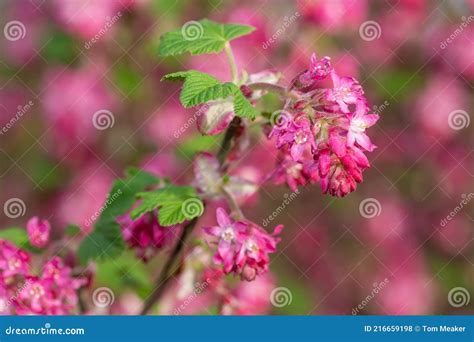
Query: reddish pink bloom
[(53, 293), (243, 247), (347, 90), (38, 231), (359, 121), (145, 234), (318, 70), (321, 132), (13, 261)]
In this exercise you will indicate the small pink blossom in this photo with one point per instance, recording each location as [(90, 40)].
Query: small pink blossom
[(145, 235), (52, 293), (359, 122), (345, 91), (13, 261), (38, 232), (242, 247)]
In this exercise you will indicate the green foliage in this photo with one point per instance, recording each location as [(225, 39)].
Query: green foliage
[(124, 272), (200, 37), (200, 88), (15, 235), (197, 143), (176, 204), (106, 240), (72, 230)]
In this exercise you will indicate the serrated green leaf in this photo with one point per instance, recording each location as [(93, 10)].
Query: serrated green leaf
[(171, 201), (106, 240), (200, 88), (242, 106), (200, 37)]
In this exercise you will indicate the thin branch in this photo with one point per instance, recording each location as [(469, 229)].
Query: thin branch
[(166, 273), (232, 63), (164, 277)]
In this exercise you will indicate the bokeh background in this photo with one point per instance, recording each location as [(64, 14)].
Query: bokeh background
[(63, 61)]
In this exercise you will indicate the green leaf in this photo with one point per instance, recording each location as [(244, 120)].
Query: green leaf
[(176, 204), (200, 88), (124, 273), (106, 240), (15, 235), (72, 230), (200, 37), (242, 107), (19, 237)]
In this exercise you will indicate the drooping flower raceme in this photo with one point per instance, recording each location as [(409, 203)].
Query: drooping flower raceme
[(243, 247), (320, 132), (145, 234)]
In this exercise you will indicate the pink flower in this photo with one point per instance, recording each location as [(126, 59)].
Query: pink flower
[(318, 70), (290, 172), (297, 134), (359, 122), (38, 231), (347, 90), (145, 235), (242, 247), (13, 261), (53, 293), (319, 137)]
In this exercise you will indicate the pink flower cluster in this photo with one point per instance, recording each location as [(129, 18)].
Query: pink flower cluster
[(38, 232), (321, 131), (243, 247), (145, 234), (52, 293)]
